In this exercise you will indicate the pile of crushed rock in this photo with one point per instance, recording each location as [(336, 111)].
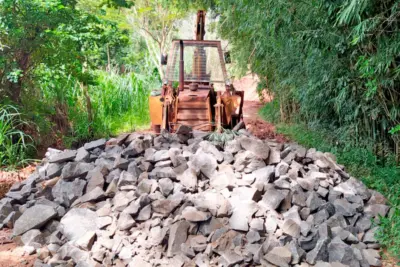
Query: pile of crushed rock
[(180, 200)]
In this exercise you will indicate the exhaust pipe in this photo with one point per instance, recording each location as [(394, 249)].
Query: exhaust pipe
[(181, 67)]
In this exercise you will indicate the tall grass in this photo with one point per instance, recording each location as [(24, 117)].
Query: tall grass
[(119, 104), (14, 143)]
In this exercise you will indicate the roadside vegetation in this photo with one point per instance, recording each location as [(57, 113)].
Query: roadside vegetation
[(73, 71)]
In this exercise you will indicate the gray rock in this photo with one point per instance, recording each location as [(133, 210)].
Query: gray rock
[(191, 214), (230, 258), (297, 252), (272, 198), (33, 238), (369, 236), (5, 208), (188, 179), (82, 155), (54, 170), (95, 179), (144, 214), (308, 242), (210, 148), (290, 227), (33, 218), (281, 169), (253, 236), (376, 210), (206, 228), (166, 186), (341, 252), (86, 241), (165, 206), (342, 206), (66, 193), (204, 163), (274, 157), (177, 236), (256, 146), (66, 155), (126, 178), (232, 146), (76, 170), (280, 256), (372, 257), (353, 187), (314, 202), (320, 252), (242, 214), (95, 144), (125, 221), (78, 222), (96, 194)]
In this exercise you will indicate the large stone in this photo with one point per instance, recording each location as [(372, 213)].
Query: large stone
[(230, 258), (191, 214), (177, 236), (204, 163), (77, 222), (125, 222), (126, 178), (66, 193), (82, 155), (224, 178), (272, 198), (215, 202), (166, 186), (64, 156), (95, 144), (314, 201), (320, 252), (242, 214), (341, 252), (54, 170), (210, 148), (342, 206), (76, 170), (188, 179), (264, 175), (280, 256), (165, 206), (372, 257), (33, 238), (290, 227), (256, 146), (34, 218), (5, 208), (353, 187)]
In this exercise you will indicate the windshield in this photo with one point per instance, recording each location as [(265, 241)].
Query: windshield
[(203, 62)]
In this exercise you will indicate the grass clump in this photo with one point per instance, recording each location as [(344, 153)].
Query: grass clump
[(14, 143)]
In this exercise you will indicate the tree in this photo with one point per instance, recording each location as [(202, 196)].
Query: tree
[(51, 33), (157, 23)]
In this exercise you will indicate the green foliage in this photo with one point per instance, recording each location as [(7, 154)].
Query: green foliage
[(329, 63), (14, 143), (225, 136)]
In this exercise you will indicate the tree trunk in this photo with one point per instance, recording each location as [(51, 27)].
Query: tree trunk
[(15, 90)]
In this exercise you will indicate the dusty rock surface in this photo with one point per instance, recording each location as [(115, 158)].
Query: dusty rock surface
[(181, 200)]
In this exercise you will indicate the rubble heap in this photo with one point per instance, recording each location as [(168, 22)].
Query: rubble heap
[(179, 200)]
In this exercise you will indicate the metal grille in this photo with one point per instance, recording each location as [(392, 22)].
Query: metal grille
[(202, 63)]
